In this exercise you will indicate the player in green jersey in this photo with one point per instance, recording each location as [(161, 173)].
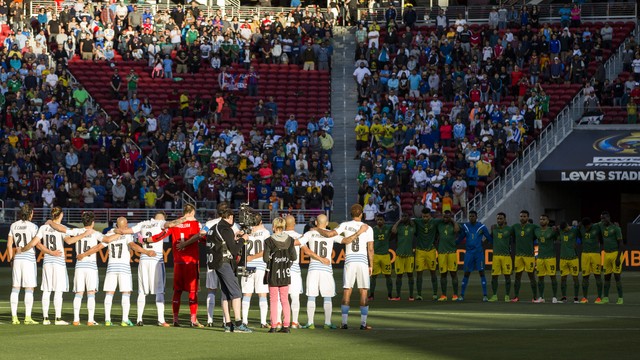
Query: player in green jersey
[(547, 258), (404, 230), (381, 257), (447, 232), (612, 244), (426, 255), (502, 265), (568, 260), (591, 258), (524, 236)]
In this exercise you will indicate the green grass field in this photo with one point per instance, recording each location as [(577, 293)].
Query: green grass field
[(401, 330)]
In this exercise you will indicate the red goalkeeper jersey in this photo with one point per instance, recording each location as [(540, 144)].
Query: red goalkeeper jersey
[(182, 232)]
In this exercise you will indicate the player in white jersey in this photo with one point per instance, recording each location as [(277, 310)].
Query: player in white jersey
[(358, 264), (254, 283), (54, 268), (320, 276), (151, 271), (118, 269), (24, 264)]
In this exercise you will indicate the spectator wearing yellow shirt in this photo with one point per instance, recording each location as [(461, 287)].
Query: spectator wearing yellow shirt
[(447, 202), (362, 137), (150, 197), (13, 139), (632, 112), (184, 103)]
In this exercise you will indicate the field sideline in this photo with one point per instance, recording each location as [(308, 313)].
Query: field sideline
[(401, 330)]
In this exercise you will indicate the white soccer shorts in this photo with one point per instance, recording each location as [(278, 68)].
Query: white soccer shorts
[(212, 279), (24, 274), (151, 277), (296, 283), (253, 284), (118, 279), (54, 278), (356, 273), (85, 280), (322, 283)]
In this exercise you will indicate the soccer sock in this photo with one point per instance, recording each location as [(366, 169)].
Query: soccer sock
[(619, 287), (28, 302), (483, 282), (411, 282), (211, 304), (554, 286), (372, 287), (389, 285), (345, 313), (295, 307), (176, 304), (46, 299), (494, 285), (454, 283), (91, 306), (13, 299), (599, 285), (264, 309), (77, 303), (328, 309), (311, 309), (443, 285), (434, 284), (465, 282), (563, 287), (576, 286), (57, 303), (419, 283), (108, 300), (507, 285), (246, 302), (541, 288), (607, 286), (364, 312), (126, 305), (516, 287), (534, 287), (585, 286), (142, 299), (398, 285), (193, 306), (160, 307)]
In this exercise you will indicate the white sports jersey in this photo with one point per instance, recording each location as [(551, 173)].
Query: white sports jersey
[(119, 255), (83, 245), (52, 240), (256, 245), (23, 232), (320, 245), (147, 229), (357, 250), (295, 267), (209, 224)]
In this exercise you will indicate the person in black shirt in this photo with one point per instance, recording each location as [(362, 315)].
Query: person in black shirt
[(116, 81)]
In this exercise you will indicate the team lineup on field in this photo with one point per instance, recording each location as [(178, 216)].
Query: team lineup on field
[(424, 243)]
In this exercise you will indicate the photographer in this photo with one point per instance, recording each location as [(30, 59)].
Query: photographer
[(224, 248)]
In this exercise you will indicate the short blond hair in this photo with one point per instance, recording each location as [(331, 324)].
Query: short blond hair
[(278, 224)]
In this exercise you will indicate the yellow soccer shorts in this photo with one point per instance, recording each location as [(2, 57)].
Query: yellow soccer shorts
[(381, 264), (502, 265), (448, 262), (426, 260), (569, 267), (546, 267), (404, 264), (610, 263), (591, 263), (524, 263)]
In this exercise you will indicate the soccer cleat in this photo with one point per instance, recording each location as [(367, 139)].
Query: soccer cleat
[(60, 322), (265, 326), (176, 324), (485, 298), (419, 298), (455, 297), (563, 300), (279, 326), (30, 321), (108, 323), (584, 300), (411, 298), (163, 324), (330, 327), (493, 298), (620, 301), (397, 298), (91, 323), (139, 323), (554, 300), (309, 326), (365, 327), (228, 328), (575, 300), (344, 327), (126, 323), (295, 325), (197, 325), (370, 298), (242, 329), (539, 300), (515, 300), (598, 301), (15, 320), (443, 298), (605, 300), (284, 330), (77, 323), (272, 331), (507, 298), (46, 321), (210, 324), (434, 297)]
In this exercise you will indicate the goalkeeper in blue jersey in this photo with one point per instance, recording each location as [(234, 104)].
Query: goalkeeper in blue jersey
[(474, 233)]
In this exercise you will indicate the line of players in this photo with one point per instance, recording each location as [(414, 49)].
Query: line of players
[(185, 234), (427, 243)]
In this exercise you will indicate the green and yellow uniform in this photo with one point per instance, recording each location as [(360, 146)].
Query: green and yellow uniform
[(611, 237), (381, 259), (591, 257), (546, 262), (568, 256), (404, 260), (524, 236), (425, 244), (447, 251), (502, 263)]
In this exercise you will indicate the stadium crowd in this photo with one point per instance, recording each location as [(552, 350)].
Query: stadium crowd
[(57, 151)]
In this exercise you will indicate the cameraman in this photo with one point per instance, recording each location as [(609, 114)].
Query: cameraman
[(224, 248)]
